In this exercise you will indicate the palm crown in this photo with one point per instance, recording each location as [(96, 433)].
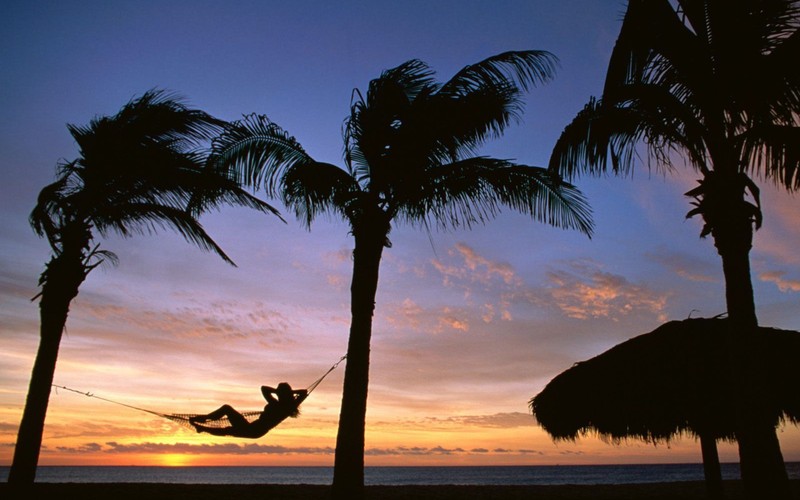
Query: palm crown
[(138, 170), (676, 82), (409, 152)]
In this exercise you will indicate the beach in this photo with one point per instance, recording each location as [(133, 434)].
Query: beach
[(151, 491)]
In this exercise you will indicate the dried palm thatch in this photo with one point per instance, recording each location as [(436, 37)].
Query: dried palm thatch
[(677, 379)]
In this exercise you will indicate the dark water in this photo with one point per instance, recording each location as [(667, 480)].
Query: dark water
[(501, 475)]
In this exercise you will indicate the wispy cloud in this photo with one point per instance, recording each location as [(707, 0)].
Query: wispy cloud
[(410, 315), (475, 268), (584, 291), (113, 447), (684, 265), (214, 449), (498, 420), (779, 278)]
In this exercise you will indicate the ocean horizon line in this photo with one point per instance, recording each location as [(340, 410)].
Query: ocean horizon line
[(387, 475)]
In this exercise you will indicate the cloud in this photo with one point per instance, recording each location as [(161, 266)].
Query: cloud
[(113, 447), (509, 420), (475, 274), (220, 320), (585, 291), (684, 265), (485, 269), (214, 449), (497, 421), (409, 314), (475, 268), (783, 284), (85, 448), (450, 320), (441, 450)]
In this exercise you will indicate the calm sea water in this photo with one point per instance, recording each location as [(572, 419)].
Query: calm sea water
[(517, 475)]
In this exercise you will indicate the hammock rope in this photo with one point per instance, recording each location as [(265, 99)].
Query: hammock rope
[(183, 418)]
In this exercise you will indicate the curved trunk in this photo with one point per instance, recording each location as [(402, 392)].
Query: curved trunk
[(763, 470), (65, 273), (348, 472)]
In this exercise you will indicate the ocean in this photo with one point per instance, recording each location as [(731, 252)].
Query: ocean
[(392, 476)]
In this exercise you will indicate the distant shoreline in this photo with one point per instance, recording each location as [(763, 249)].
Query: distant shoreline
[(161, 491)]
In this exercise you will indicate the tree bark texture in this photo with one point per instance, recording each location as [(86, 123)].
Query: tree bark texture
[(348, 473), (65, 274), (763, 470), (711, 467)]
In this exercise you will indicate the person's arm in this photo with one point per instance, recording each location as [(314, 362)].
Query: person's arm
[(268, 392), (300, 392)]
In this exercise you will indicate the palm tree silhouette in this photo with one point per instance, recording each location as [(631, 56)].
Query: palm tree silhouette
[(677, 83), (137, 171), (410, 146)]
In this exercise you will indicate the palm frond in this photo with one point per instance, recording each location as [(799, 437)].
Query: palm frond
[(519, 68), (137, 171), (44, 217), (544, 196), (257, 152), (157, 117), (474, 190), (650, 29), (321, 188), (127, 219), (375, 119), (597, 135), (773, 152)]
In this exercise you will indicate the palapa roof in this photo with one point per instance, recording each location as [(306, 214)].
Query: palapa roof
[(676, 379)]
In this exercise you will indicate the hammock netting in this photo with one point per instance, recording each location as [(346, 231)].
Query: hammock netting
[(220, 423)]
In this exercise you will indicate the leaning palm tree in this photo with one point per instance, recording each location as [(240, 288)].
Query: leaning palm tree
[(715, 82), (137, 171), (410, 156)]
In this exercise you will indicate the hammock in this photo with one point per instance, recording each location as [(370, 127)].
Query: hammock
[(220, 423)]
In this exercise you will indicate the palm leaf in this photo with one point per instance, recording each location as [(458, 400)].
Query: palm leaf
[(317, 189), (523, 68), (473, 190), (257, 152), (146, 218)]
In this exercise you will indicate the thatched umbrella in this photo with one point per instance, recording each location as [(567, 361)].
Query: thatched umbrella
[(672, 381)]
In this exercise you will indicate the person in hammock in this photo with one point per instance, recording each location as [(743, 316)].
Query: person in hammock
[(276, 410)]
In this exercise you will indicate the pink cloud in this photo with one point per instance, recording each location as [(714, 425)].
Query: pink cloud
[(783, 284), (586, 292)]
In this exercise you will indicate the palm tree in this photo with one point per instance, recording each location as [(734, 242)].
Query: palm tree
[(716, 82), (410, 147), (137, 171)]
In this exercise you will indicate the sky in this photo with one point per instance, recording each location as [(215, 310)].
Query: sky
[(469, 325)]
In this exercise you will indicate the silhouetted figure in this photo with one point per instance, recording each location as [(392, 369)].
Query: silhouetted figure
[(275, 411)]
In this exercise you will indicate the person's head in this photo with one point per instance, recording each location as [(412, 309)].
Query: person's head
[(284, 390), (285, 395)]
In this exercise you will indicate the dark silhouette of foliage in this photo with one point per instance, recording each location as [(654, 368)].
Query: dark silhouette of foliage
[(137, 171), (716, 83), (411, 156), (673, 381)]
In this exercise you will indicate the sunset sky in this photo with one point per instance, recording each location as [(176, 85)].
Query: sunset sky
[(469, 325)]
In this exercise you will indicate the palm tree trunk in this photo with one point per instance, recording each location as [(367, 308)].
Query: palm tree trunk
[(57, 293), (761, 462), (348, 472), (739, 297), (711, 467), (763, 470)]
